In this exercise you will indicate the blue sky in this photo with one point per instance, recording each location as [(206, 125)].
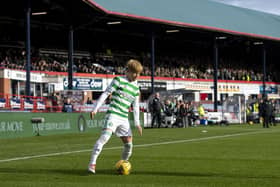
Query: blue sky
[(270, 6)]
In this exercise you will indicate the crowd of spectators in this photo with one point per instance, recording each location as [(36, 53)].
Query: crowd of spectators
[(191, 66), (202, 68)]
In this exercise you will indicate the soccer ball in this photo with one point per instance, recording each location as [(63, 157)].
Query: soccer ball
[(123, 167)]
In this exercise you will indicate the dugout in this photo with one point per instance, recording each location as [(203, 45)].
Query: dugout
[(71, 24)]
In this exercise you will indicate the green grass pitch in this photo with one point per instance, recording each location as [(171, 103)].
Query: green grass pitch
[(235, 155)]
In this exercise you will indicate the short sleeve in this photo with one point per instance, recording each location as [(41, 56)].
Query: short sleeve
[(114, 85)]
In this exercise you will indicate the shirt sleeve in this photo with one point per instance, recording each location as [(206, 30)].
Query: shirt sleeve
[(110, 89), (136, 111)]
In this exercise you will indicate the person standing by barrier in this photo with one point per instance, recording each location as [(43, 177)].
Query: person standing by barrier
[(168, 112), (201, 111), (89, 101), (184, 114), (261, 111), (267, 113), (191, 114), (273, 113), (156, 108), (68, 106), (125, 92)]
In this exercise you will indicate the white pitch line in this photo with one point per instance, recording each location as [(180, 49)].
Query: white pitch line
[(142, 145)]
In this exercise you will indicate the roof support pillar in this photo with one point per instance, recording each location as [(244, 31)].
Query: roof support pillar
[(152, 62), (264, 78), (70, 57), (28, 48), (215, 83)]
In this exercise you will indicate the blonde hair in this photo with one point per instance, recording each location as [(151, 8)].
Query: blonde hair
[(134, 66)]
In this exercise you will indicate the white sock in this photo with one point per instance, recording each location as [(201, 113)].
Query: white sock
[(127, 150), (103, 139)]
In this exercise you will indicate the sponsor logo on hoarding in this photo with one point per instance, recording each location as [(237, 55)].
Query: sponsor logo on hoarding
[(146, 86), (84, 84), (11, 126)]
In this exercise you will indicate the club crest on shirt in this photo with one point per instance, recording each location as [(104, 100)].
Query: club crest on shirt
[(127, 96)]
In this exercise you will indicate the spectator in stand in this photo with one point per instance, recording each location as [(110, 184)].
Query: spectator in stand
[(68, 106), (89, 102), (191, 66), (54, 101)]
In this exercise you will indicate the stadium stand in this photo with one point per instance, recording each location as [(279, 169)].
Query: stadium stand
[(191, 66), (103, 49)]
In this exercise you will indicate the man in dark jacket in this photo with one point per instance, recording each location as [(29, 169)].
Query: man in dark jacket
[(68, 106), (273, 113), (156, 108), (267, 111)]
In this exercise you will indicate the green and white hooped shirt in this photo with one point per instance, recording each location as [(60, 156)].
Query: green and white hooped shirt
[(124, 93)]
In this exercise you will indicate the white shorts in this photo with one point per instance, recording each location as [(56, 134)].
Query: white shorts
[(119, 126)]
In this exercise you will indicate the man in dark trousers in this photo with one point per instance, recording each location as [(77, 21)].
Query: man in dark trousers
[(267, 106), (261, 111), (156, 107), (273, 113)]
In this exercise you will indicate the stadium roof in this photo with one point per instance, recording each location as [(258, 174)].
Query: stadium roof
[(197, 14)]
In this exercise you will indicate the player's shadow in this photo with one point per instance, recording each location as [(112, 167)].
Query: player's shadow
[(84, 172), (196, 174), (170, 173), (44, 171)]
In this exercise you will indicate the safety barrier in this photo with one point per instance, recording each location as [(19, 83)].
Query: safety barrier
[(23, 103), (20, 124)]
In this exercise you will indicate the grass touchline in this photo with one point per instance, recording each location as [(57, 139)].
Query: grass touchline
[(141, 145)]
